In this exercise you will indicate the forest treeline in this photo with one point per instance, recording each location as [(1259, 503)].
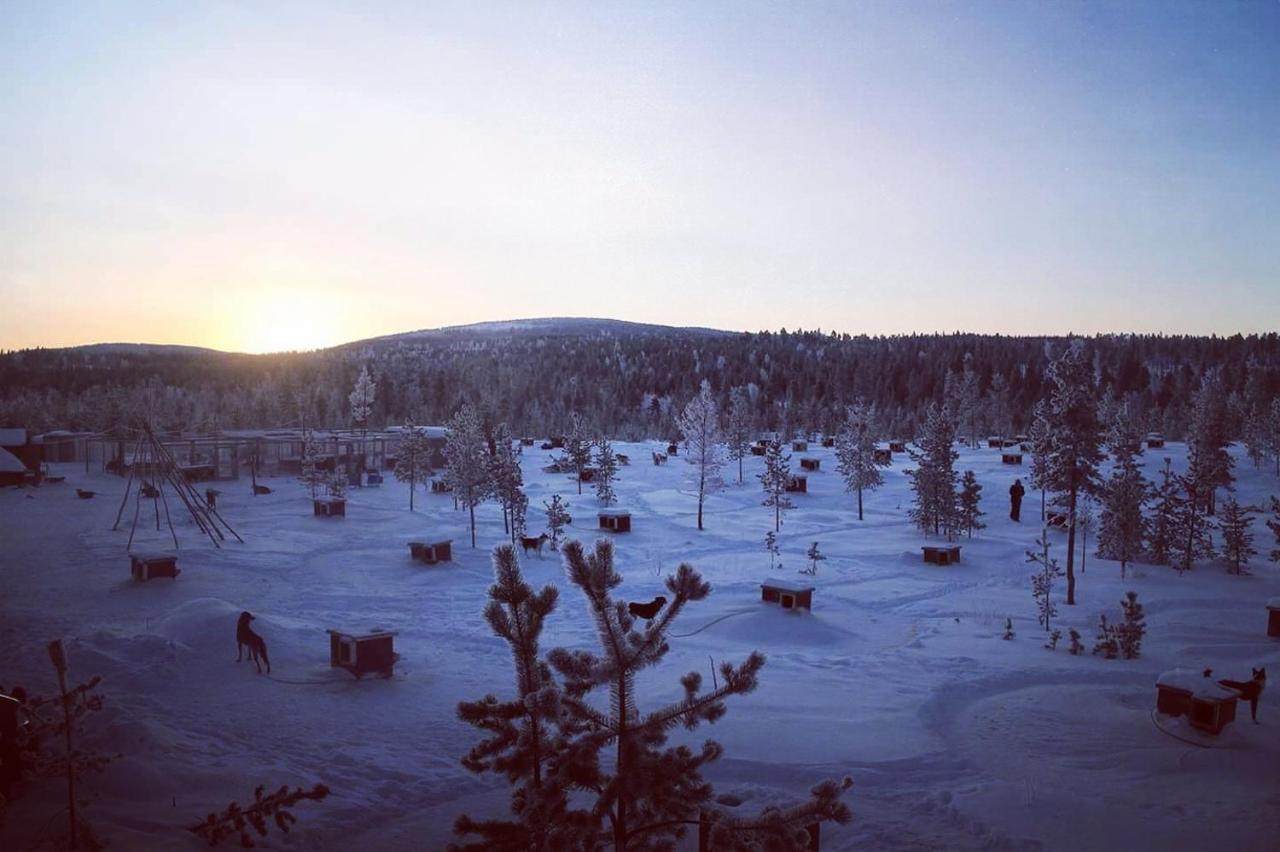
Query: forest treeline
[(628, 382)]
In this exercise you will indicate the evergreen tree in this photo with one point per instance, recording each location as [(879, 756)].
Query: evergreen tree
[(999, 412), (1133, 629), (1072, 439), (506, 478), (1042, 580), (738, 429), (577, 447), (466, 461), (1189, 538), (970, 501), (856, 452), (934, 479), (961, 394), (523, 737), (1161, 526), (1209, 464), (1038, 437), (1237, 538), (1086, 523), (312, 475), (1123, 526), (1273, 524), (699, 423), (606, 472), (771, 545), (648, 792), (557, 518), (361, 399), (413, 459), (777, 473), (814, 555)]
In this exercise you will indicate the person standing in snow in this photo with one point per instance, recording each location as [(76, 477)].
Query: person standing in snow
[(1015, 500)]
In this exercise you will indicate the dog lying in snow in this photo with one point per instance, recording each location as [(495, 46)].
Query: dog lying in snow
[(1250, 690), (647, 611), (246, 638)]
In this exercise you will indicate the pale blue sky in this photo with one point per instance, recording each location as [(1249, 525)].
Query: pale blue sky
[(264, 175)]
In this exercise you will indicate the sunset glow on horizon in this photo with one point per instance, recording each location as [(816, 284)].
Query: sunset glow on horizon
[(291, 176)]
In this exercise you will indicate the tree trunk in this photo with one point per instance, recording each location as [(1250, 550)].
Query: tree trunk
[(859, 504), (739, 470), (702, 488), (472, 506), (1071, 545), (411, 490)]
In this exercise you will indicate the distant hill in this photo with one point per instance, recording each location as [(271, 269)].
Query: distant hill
[(139, 349), (541, 327)]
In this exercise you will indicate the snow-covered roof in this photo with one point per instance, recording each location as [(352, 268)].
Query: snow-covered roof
[(1195, 683), (9, 462), (1273, 603), (786, 586), (614, 513), (13, 437)]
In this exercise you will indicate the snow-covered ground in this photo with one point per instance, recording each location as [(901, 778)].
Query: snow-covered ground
[(899, 677)]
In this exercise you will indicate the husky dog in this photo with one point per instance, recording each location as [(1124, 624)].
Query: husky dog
[(1250, 690), (535, 543), (246, 638), (647, 611)]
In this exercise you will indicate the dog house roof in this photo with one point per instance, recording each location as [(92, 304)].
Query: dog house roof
[(1273, 603), (1195, 683), (785, 586)]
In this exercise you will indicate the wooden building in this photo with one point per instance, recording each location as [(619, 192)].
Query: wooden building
[(673, 449), (587, 474), (18, 443), (1011, 458), (940, 554), (432, 552), (615, 520), (797, 484), (810, 464), (1154, 440), (880, 454), (800, 446), (149, 566), (828, 441), (897, 446), (759, 449), (361, 654), (440, 486), (12, 470), (329, 507), (1273, 618), (1208, 706), (787, 595)]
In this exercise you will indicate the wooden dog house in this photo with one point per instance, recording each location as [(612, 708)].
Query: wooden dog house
[(1154, 440), (149, 566), (1057, 520), (329, 507), (879, 454), (615, 520), (1207, 706), (787, 595), (587, 474), (439, 486), (1273, 618), (364, 653), (673, 449), (995, 443), (941, 554), (828, 442), (758, 449), (810, 464), (1011, 458), (897, 446), (432, 552), (798, 484), (800, 446)]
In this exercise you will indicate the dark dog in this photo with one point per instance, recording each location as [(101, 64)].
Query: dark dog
[(246, 638), (534, 544), (1250, 690), (260, 489), (649, 610)]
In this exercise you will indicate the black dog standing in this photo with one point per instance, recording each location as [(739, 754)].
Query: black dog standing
[(1015, 500)]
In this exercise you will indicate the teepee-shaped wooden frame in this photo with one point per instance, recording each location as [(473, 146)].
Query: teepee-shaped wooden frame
[(155, 469)]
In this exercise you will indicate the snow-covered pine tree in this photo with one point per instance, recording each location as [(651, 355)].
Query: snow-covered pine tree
[(577, 447), (505, 475), (1237, 538), (699, 424), (1189, 538), (856, 452), (777, 473), (1123, 525), (1273, 524), (1160, 541), (606, 472), (523, 737), (771, 545), (361, 399), (737, 430), (1086, 523), (649, 792), (970, 503), (1107, 641), (814, 555), (557, 518), (312, 475), (1038, 436), (335, 484), (998, 411), (1042, 580), (413, 459), (934, 479), (1073, 440), (960, 391), (1209, 464), (519, 515), (466, 463), (1133, 629), (1076, 646)]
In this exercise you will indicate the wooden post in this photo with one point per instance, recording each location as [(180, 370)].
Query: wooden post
[(59, 659)]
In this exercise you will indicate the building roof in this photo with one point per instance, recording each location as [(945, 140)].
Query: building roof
[(614, 513), (13, 437), (9, 463), (1195, 683), (786, 586)]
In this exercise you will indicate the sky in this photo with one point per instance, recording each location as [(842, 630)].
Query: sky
[(263, 176)]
